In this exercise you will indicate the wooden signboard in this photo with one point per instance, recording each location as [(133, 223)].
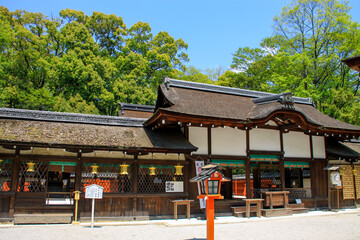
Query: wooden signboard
[(348, 182), (357, 181)]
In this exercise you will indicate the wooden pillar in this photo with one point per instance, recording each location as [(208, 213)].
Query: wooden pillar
[(187, 176), (281, 161), (209, 141), (78, 172), (135, 185), (247, 166), (14, 182)]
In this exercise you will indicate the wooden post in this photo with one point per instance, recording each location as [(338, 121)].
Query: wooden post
[(281, 162), (135, 185), (210, 214), (247, 166), (14, 182)]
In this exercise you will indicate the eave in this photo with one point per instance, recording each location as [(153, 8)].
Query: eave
[(164, 118)]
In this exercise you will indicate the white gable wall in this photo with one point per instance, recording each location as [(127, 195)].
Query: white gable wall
[(228, 141), (198, 137), (264, 139), (296, 144), (318, 147)]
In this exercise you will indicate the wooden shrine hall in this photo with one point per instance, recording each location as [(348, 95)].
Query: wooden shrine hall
[(266, 144)]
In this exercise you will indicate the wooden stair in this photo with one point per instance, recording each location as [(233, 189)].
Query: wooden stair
[(240, 211), (298, 208), (42, 218), (277, 212)]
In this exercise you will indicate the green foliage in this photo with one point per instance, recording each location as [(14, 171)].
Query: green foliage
[(80, 63), (304, 57)]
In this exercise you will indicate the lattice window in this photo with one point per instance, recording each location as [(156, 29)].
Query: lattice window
[(156, 183), (5, 175), (32, 179), (108, 176), (269, 176)]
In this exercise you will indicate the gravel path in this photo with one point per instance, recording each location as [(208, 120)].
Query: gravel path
[(339, 226)]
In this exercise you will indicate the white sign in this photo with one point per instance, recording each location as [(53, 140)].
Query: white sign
[(198, 166), (172, 186), (94, 191)]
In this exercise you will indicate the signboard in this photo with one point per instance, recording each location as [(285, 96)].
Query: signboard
[(172, 186), (198, 166), (348, 182), (357, 180), (94, 191)]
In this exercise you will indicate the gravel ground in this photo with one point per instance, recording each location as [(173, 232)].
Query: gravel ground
[(317, 225)]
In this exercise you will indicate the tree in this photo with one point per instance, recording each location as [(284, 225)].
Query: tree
[(82, 63), (304, 56)]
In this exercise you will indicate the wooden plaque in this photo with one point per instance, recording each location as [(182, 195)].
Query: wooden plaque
[(357, 180), (348, 183)]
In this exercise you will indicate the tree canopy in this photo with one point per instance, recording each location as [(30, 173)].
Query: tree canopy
[(80, 63), (87, 64), (303, 56)]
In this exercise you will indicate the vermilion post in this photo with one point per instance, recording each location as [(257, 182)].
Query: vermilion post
[(210, 210)]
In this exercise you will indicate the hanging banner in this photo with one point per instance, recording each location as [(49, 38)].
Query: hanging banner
[(357, 180), (198, 166), (348, 182)]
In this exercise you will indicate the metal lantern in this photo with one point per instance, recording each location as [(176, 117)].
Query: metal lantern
[(94, 169), (31, 167), (353, 171), (341, 172), (209, 180), (152, 171), (178, 170), (0, 163), (124, 169)]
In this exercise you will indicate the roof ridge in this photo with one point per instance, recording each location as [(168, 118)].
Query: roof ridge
[(70, 117), (170, 82)]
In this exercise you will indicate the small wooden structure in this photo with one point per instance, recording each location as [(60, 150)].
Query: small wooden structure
[(185, 202)]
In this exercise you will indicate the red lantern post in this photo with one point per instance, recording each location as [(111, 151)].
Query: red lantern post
[(209, 180)]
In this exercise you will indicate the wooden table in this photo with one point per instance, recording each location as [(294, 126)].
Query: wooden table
[(182, 202), (258, 202), (277, 198)]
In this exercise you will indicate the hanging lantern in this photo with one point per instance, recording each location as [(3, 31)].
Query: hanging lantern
[(178, 170), (354, 172), (0, 163), (124, 169), (94, 169), (341, 172), (152, 171), (31, 167)]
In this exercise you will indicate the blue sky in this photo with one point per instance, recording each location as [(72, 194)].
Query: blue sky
[(214, 30)]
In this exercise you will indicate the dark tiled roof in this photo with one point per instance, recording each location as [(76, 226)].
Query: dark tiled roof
[(204, 100), (70, 117)]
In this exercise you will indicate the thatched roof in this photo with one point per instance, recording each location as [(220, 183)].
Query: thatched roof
[(353, 62), (210, 101), (22, 127)]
